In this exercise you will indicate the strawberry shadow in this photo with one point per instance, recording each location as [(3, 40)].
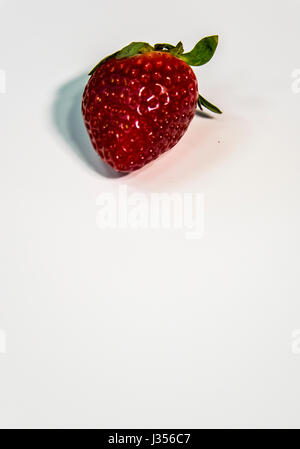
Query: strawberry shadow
[(203, 114), (67, 118)]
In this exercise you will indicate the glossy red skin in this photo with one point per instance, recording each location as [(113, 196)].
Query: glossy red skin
[(137, 108)]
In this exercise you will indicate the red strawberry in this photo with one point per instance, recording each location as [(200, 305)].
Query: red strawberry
[(140, 101)]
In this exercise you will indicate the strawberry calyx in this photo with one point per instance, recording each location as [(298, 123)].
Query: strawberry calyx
[(201, 54), (202, 103), (173, 50)]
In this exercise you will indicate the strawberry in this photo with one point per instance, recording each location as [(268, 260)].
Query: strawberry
[(140, 101)]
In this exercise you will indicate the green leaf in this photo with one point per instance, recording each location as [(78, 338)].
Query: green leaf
[(102, 62), (169, 48), (161, 47), (132, 49), (178, 50), (208, 105), (202, 52)]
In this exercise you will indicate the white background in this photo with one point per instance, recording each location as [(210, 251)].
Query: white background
[(147, 329)]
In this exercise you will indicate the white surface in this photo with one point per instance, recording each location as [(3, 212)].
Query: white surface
[(148, 329)]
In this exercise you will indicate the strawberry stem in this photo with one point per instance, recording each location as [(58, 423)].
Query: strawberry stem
[(202, 52)]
